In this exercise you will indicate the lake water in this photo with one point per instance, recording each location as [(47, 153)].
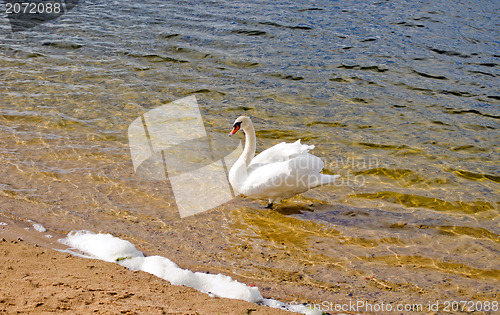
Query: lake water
[(401, 98)]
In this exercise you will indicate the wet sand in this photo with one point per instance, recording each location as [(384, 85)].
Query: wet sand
[(37, 279)]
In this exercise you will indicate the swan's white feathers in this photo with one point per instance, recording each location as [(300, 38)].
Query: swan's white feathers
[(286, 178), (281, 152), (281, 171)]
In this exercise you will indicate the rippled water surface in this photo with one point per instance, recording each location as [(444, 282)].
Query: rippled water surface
[(400, 98)]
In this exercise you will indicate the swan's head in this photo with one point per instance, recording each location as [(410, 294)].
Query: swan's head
[(242, 122)]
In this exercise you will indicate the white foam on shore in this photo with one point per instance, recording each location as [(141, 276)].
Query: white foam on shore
[(218, 285), (112, 249), (101, 246), (40, 228)]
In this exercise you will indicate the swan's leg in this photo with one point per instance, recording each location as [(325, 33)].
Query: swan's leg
[(270, 204)]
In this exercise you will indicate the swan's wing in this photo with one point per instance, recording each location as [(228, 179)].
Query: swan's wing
[(267, 180), (280, 152), (286, 178)]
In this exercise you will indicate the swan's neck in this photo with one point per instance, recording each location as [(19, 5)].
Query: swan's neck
[(249, 151)]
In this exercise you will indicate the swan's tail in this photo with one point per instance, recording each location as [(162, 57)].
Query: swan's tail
[(306, 168)]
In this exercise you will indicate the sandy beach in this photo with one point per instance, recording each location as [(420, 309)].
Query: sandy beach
[(36, 280)]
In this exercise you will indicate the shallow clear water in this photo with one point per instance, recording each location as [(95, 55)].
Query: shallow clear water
[(402, 99)]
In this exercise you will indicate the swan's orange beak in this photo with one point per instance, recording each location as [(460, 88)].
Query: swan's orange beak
[(236, 127)]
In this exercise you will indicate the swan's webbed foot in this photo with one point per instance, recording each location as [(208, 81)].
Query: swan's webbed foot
[(269, 205)]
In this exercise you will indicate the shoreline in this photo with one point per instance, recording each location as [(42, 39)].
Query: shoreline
[(37, 278)]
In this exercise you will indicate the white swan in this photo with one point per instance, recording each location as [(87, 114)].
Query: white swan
[(282, 171)]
